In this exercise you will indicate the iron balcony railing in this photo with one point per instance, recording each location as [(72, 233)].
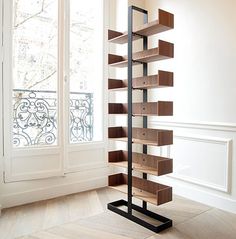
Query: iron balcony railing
[(35, 119)]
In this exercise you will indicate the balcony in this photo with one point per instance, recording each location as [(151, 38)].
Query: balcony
[(35, 119)]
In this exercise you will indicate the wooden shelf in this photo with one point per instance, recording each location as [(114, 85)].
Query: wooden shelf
[(165, 22), (160, 108), (146, 136), (162, 79), (165, 50), (143, 189), (145, 163)]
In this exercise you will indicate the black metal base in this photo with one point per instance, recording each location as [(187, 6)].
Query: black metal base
[(165, 222)]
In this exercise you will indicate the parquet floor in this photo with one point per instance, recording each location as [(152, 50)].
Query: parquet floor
[(84, 216)]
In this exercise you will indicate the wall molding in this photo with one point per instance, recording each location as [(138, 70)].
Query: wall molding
[(196, 190), (86, 146), (84, 167), (204, 125), (218, 126), (214, 140), (10, 178), (207, 139)]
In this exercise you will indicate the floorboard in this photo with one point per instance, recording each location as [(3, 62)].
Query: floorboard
[(85, 215)]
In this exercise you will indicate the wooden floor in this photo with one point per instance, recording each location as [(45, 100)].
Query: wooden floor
[(84, 216)]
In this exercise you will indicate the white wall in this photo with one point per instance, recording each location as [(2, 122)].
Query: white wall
[(204, 90)]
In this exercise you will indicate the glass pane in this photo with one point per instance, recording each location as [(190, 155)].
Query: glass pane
[(35, 46), (86, 57)]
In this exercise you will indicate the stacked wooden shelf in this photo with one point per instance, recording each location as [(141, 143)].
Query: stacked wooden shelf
[(165, 50), (143, 189), (160, 108), (137, 187), (165, 22), (145, 163), (147, 136), (162, 79)]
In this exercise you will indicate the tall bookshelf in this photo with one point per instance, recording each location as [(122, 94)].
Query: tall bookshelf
[(140, 187)]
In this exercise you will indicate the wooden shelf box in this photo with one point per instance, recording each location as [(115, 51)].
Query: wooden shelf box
[(165, 22), (165, 50), (162, 79), (145, 163), (160, 108), (146, 136), (143, 189)]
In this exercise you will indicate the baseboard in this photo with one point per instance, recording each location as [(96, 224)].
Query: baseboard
[(21, 198), (208, 198)]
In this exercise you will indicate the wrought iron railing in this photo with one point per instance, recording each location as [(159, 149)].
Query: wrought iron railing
[(35, 120)]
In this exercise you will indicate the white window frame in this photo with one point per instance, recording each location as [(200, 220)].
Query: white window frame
[(63, 149)]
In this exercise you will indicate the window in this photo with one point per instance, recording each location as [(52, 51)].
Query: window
[(53, 87), (85, 70), (35, 74)]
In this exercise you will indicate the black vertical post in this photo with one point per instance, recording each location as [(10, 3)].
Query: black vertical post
[(145, 95), (130, 76)]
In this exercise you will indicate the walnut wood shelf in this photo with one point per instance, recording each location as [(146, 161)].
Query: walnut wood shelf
[(145, 163), (165, 50), (165, 22), (143, 189), (162, 79), (160, 108), (146, 136)]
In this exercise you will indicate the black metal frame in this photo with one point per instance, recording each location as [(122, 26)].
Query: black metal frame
[(164, 222), (114, 206)]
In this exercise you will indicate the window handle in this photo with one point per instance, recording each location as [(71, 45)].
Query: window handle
[(65, 79)]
